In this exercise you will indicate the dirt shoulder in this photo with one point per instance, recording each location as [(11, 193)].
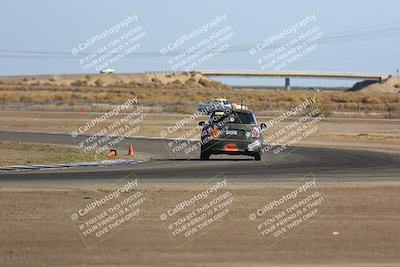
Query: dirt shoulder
[(27, 154), (361, 230)]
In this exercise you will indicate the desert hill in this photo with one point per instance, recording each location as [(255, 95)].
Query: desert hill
[(390, 85), (153, 79)]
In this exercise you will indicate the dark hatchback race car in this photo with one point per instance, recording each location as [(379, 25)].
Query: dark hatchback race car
[(231, 132)]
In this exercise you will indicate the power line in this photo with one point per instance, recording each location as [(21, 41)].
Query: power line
[(371, 33)]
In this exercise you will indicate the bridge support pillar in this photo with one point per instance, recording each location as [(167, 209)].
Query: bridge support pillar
[(287, 83)]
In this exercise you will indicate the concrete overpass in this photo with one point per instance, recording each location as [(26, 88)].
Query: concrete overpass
[(298, 74)]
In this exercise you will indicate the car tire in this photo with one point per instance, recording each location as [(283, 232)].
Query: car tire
[(257, 156), (204, 155)]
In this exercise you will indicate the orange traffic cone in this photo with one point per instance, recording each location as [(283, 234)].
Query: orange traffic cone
[(112, 153), (130, 152)]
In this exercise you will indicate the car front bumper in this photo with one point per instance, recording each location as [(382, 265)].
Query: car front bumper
[(232, 147)]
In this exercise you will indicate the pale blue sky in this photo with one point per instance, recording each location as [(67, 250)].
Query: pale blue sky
[(36, 36)]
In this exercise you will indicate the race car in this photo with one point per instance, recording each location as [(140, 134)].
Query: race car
[(216, 104), (232, 132)]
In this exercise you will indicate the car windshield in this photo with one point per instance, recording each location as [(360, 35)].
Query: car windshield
[(233, 117)]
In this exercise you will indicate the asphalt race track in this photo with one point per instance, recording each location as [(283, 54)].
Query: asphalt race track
[(361, 188), (336, 165)]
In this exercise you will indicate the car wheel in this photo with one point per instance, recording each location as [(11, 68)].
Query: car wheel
[(257, 156), (204, 155)]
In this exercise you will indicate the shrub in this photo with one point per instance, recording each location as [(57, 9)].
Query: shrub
[(324, 111), (178, 82), (25, 99), (155, 80), (99, 83), (370, 100), (204, 82), (213, 84), (133, 83), (190, 81), (79, 83)]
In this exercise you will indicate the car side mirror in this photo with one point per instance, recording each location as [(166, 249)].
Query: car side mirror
[(202, 123), (263, 126)]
